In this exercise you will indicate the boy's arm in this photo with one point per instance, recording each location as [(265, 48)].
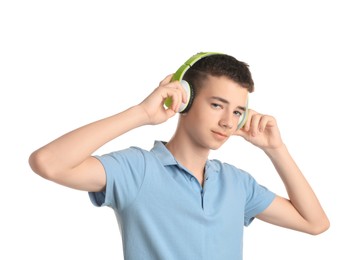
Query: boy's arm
[(302, 211), (67, 160)]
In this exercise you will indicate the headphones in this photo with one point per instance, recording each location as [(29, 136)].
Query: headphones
[(178, 76)]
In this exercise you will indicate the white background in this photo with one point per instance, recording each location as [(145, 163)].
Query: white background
[(67, 63)]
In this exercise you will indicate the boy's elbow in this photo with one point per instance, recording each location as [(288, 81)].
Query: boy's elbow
[(39, 164), (320, 228)]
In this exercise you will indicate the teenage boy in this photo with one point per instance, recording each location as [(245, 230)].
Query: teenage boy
[(172, 202)]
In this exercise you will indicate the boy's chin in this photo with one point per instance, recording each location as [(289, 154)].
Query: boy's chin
[(216, 147)]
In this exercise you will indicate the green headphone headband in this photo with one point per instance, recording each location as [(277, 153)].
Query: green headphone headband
[(178, 75)]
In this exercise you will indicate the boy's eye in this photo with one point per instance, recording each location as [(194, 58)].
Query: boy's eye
[(215, 105), (238, 113)]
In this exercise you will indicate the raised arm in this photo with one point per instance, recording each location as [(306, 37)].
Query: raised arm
[(302, 211), (68, 159)]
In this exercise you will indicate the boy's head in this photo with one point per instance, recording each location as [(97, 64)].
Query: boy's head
[(219, 108), (220, 86), (200, 68)]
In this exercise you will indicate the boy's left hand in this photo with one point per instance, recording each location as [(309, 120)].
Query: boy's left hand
[(261, 130)]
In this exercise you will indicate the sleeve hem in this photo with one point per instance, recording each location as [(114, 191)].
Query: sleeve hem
[(101, 198), (251, 215)]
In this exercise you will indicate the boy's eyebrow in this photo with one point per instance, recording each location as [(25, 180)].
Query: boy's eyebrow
[(227, 102)]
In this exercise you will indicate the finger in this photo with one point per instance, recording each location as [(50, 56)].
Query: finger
[(177, 99), (166, 80), (178, 85), (172, 97), (243, 133), (254, 124), (263, 123), (266, 121), (182, 94), (170, 113), (247, 124)]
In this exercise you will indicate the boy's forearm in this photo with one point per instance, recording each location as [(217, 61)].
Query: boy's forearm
[(299, 191), (74, 147)]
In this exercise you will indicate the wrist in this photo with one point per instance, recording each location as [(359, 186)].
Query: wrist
[(139, 115), (276, 151)]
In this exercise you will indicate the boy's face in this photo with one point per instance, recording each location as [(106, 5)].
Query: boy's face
[(215, 112)]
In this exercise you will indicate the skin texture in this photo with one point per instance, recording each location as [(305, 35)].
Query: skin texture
[(209, 123)]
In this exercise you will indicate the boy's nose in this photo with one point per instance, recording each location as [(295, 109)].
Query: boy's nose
[(226, 122)]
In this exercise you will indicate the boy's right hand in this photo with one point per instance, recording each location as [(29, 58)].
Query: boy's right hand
[(153, 105)]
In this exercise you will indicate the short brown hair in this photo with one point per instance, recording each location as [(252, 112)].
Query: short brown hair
[(219, 65)]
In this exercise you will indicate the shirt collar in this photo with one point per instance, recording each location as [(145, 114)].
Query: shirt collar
[(163, 154), (167, 158)]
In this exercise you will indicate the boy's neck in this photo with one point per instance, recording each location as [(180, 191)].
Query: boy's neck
[(190, 156)]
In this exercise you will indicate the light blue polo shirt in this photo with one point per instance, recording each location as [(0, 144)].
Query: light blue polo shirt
[(164, 213)]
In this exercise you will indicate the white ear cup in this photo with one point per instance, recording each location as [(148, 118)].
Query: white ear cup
[(243, 118), (187, 88), (183, 106)]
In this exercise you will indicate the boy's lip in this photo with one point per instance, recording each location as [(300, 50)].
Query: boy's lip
[(220, 133)]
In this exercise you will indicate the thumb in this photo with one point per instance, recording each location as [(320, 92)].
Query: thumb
[(170, 112), (243, 133)]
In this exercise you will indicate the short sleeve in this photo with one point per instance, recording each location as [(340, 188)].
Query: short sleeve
[(124, 177), (257, 200)]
